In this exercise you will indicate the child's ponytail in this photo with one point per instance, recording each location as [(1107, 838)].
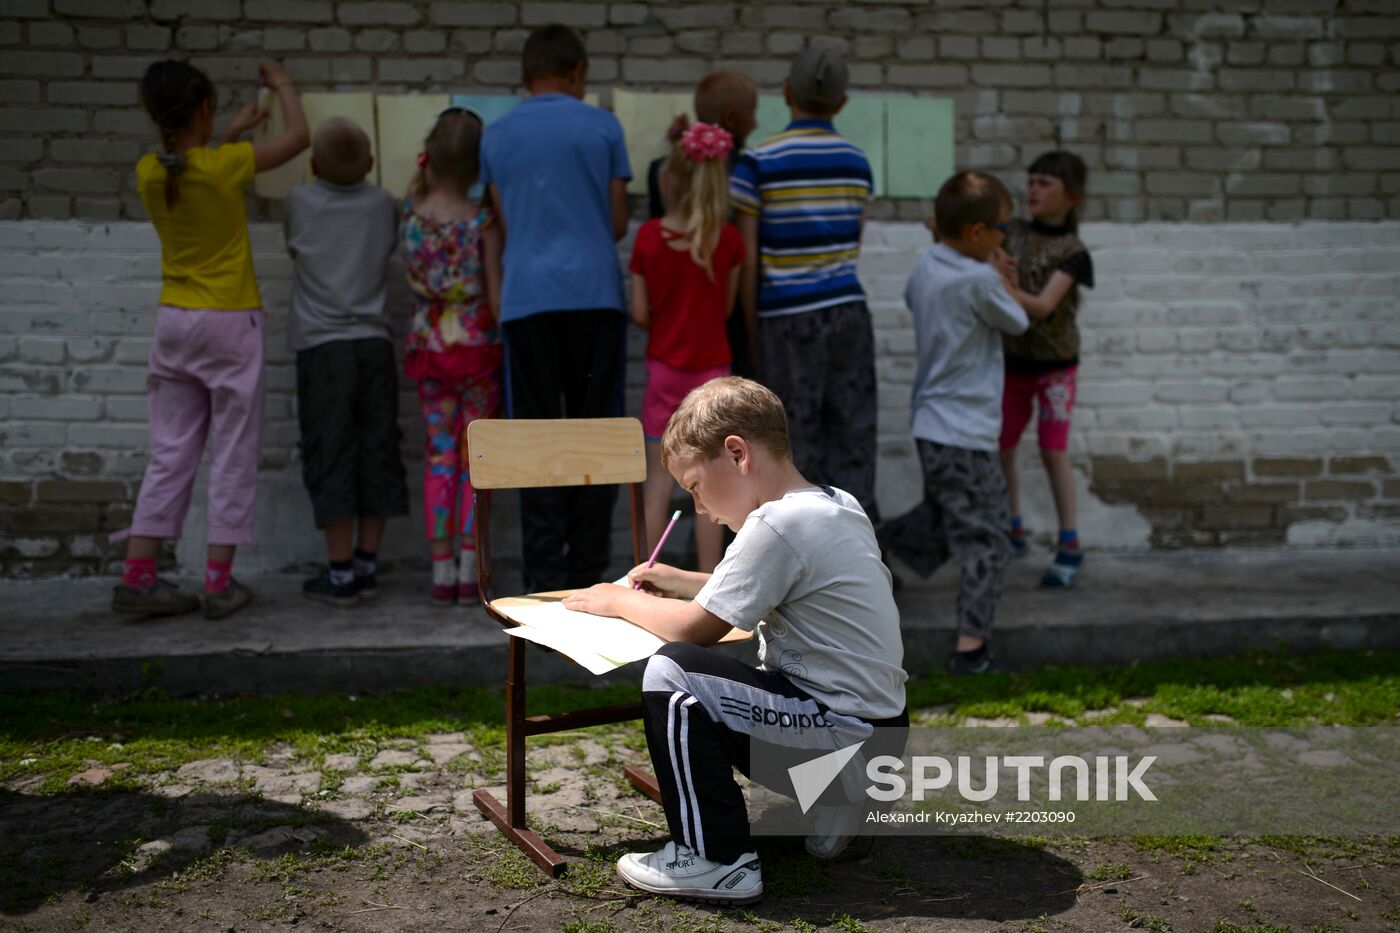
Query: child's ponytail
[(452, 150), (700, 171), (172, 93)]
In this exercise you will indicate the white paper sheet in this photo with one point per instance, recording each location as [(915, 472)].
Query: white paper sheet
[(597, 643)]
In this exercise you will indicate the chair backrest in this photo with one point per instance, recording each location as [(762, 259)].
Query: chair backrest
[(527, 453)]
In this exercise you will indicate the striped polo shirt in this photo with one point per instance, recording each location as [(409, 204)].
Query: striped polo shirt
[(808, 185)]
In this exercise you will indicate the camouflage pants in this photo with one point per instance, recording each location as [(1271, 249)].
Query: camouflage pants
[(964, 518), (822, 365)]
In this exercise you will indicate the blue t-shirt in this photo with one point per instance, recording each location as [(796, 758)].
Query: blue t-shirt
[(552, 160)]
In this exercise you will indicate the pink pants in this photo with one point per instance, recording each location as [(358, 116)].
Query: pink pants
[(1053, 391), (448, 506), (206, 381)]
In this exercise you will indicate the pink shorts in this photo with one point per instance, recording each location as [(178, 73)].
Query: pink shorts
[(667, 386), (1054, 391)]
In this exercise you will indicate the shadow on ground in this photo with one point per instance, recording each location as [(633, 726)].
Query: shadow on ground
[(108, 841), (903, 878)]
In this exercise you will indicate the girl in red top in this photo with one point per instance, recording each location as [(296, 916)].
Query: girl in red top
[(685, 275)]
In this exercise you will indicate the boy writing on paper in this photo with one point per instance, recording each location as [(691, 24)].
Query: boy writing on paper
[(804, 572)]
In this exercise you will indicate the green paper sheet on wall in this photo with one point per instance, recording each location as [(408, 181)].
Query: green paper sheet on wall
[(918, 145), (862, 121), (772, 118)]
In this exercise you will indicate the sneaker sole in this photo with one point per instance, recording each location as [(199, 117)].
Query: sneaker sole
[(336, 601), (705, 896), (137, 613), (213, 615)]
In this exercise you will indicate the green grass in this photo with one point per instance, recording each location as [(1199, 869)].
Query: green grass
[(1345, 688), (59, 734), (151, 732)]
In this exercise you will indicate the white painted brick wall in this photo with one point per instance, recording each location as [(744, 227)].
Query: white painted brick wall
[(1220, 342)]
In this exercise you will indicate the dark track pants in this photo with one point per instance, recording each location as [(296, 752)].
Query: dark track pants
[(707, 714)]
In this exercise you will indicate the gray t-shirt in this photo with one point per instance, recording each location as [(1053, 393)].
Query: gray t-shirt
[(340, 238), (961, 309), (805, 571)]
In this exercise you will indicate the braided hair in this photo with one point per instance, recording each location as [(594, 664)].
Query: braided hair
[(172, 93)]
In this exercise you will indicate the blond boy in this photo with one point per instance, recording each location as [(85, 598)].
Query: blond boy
[(804, 573)]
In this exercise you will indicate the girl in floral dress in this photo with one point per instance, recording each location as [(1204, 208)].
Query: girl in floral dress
[(452, 254)]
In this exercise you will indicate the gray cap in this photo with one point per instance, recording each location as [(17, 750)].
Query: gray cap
[(818, 77)]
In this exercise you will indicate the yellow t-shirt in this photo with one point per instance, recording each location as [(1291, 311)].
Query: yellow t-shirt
[(206, 258)]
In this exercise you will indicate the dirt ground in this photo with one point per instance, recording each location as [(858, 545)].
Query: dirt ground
[(388, 839)]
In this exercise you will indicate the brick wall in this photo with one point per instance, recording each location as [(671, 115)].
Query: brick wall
[(1237, 109), (1241, 382), (1240, 386)]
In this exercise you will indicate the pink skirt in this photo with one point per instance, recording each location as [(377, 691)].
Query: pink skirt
[(667, 387)]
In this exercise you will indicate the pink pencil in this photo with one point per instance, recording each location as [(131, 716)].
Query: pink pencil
[(660, 544)]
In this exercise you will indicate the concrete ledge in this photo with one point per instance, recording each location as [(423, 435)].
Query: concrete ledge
[(58, 634)]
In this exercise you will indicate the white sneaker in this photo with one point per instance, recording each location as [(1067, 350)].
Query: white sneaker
[(679, 871)]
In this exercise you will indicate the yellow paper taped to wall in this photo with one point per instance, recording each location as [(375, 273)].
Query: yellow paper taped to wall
[(645, 119), (318, 107), (404, 122)]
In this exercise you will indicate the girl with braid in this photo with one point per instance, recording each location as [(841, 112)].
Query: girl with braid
[(206, 366), (1051, 263)]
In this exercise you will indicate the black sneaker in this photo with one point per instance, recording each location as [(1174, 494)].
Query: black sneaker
[(959, 664), (320, 589), (366, 586)]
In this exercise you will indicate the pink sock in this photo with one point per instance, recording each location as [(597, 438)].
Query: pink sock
[(216, 576), (139, 574)]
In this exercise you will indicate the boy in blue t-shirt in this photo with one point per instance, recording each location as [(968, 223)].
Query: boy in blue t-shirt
[(800, 199), (557, 172)]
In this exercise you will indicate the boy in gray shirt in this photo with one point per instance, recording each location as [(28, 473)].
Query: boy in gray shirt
[(961, 308), (804, 573), (341, 233)]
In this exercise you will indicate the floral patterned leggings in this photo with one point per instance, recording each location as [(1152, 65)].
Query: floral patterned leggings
[(447, 482)]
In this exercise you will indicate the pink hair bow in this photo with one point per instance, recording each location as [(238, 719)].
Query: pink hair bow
[(704, 141)]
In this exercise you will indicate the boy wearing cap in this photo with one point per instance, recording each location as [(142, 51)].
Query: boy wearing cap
[(341, 232), (800, 198)]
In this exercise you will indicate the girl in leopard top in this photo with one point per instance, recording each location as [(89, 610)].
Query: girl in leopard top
[(1051, 263)]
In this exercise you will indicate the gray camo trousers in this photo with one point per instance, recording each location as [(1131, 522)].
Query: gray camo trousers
[(822, 365), (964, 518)]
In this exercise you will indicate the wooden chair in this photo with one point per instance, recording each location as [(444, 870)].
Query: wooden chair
[(531, 454)]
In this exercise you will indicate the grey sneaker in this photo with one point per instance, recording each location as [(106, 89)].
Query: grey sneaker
[(161, 598), (225, 604)]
